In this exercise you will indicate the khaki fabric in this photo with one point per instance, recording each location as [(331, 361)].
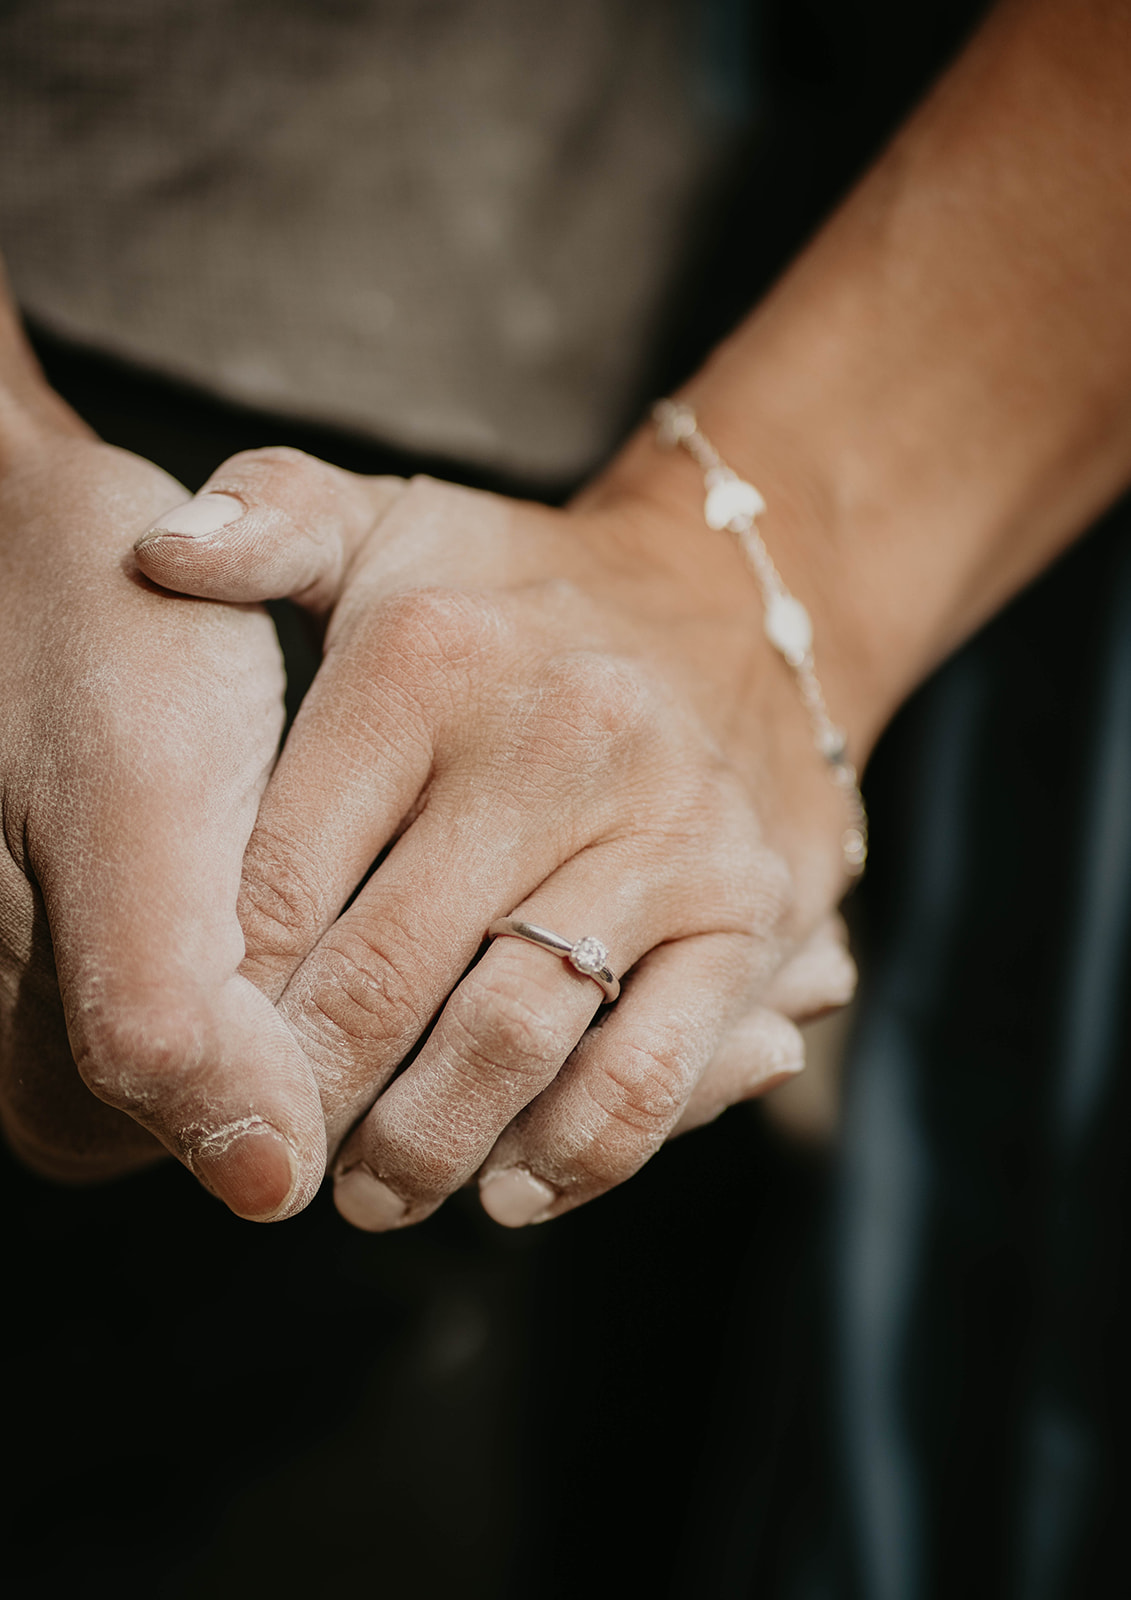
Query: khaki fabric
[(449, 223)]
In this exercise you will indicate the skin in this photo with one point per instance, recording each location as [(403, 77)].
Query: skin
[(127, 1028), (574, 715), (128, 794), (500, 709)]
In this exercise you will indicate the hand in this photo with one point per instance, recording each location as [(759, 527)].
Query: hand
[(568, 716), (137, 734)]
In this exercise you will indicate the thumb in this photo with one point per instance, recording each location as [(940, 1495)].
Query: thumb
[(269, 524), (139, 885)]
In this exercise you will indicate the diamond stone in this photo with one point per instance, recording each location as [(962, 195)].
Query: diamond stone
[(589, 956)]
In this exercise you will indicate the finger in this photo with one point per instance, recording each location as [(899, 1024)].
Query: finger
[(500, 1039), (362, 747), (760, 1052), (273, 524), (514, 1019), (488, 1056), (136, 848), (820, 976), (160, 1023), (268, 524), (402, 694), (371, 985), (626, 1087), (764, 1048), (50, 1119), (430, 711)]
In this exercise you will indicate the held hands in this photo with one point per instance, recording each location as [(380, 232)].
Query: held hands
[(571, 716), (568, 717)]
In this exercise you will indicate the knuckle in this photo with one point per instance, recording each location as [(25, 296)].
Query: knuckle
[(644, 1086), (365, 994), (595, 697), (763, 892), (495, 1026), (280, 909), (443, 627), (138, 1058), (750, 882)]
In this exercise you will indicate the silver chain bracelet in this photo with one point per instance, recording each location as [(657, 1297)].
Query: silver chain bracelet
[(734, 504)]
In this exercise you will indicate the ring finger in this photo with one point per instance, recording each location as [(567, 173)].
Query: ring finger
[(502, 1039), (627, 1086)]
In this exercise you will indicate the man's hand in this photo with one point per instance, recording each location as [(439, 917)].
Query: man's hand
[(136, 734)]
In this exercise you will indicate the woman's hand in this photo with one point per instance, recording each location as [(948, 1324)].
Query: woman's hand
[(571, 717)]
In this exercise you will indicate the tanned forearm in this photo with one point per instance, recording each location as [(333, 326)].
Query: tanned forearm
[(936, 398)]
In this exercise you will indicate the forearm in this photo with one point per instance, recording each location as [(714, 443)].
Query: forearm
[(937, 397)]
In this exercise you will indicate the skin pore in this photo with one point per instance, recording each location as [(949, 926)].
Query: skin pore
[(574, 716)]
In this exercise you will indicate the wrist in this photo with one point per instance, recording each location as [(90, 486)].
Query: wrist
[(704, 609), (805, 532)]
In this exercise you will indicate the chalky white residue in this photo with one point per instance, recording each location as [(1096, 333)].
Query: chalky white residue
[(221, 1140)]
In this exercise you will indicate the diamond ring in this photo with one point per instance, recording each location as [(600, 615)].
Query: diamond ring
[(587, 956)]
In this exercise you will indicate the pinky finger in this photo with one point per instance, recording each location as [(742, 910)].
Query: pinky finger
[(763, 1050)]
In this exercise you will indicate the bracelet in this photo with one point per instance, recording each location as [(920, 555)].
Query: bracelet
[(733, 504)]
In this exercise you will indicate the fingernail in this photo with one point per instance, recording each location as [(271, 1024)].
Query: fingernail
[(250, 1167), (515, 1197), (367, 1202), (784, 1058), (208, 513)]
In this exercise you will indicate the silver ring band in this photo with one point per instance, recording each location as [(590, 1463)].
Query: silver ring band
[(587, 956)]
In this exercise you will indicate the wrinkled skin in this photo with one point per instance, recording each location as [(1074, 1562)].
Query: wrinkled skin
[(137, 734), (470, 695), (518, 714)]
